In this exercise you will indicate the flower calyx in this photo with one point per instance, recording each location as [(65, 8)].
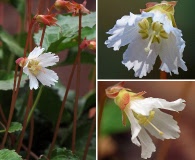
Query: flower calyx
[(90, 44), (164, 7), (21, 61), (48, 20), (71, 7)]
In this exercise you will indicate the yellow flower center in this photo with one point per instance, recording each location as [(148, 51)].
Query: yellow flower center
[(152, 30), (34, 67), (145, 120)]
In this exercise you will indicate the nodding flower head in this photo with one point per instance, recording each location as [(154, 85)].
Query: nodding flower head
[(145, 114), (35, 67), (48, 20), (148, 35), (91, 44), (71, 7)]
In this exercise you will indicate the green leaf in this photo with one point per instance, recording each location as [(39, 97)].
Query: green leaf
[(112, 120), (83, 128), (59, 38), (50, 107), (6, 154), (86, 57), (62, 154), (86, 102), (10, 42), (7, 81), (14, 127)]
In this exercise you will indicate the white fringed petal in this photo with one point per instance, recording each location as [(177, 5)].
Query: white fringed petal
[(147, 146), (144, 106), (123, 32), (166, 124), (172, 52), (135, 127), (126, 31), (47, 77), (48, 59), (135, 57), (36, 52), (162, 18), (33, 83)]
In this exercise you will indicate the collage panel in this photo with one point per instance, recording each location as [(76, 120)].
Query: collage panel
[(146, 40), (146, 120), (47, 79)]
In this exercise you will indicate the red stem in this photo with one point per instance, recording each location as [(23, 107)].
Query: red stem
[(3, 115), (42, 36), (89, 138), (31, 153), (163, 75), (14, 97), (77, 84), (62, 108), (25, 121), (16, 90)]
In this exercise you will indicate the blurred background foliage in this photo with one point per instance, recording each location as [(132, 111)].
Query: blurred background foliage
[(63, 41), (110, 66)]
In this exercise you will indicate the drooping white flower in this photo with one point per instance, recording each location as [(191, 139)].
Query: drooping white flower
[(146, 117), (34, 67), (148, 35)]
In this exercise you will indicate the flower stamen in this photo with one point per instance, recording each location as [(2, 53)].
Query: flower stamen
[(153, 30), (147, 49), (159, 131), (34, 67), (145, 120)]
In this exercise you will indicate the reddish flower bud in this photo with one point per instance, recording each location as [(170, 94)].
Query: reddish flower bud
[(21, 61), (92, 112), (113, 91), (91, 44), (48, 20), (71, 7)]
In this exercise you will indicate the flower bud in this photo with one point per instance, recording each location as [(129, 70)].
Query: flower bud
[(48, 20)]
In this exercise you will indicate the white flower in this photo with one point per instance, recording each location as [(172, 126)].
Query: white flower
[(148, 35), (145, 117), (34, 67)]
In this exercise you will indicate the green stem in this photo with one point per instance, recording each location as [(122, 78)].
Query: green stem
[(35, 104)]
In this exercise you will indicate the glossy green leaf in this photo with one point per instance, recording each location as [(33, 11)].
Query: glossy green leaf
[(10, 42), (59, 38), (6, 154), (50, 103), (62, 154), (83, 128), (86, 57), (14, 127), (7, 80)]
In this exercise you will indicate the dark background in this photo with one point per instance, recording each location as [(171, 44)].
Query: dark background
[(109, 61)]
